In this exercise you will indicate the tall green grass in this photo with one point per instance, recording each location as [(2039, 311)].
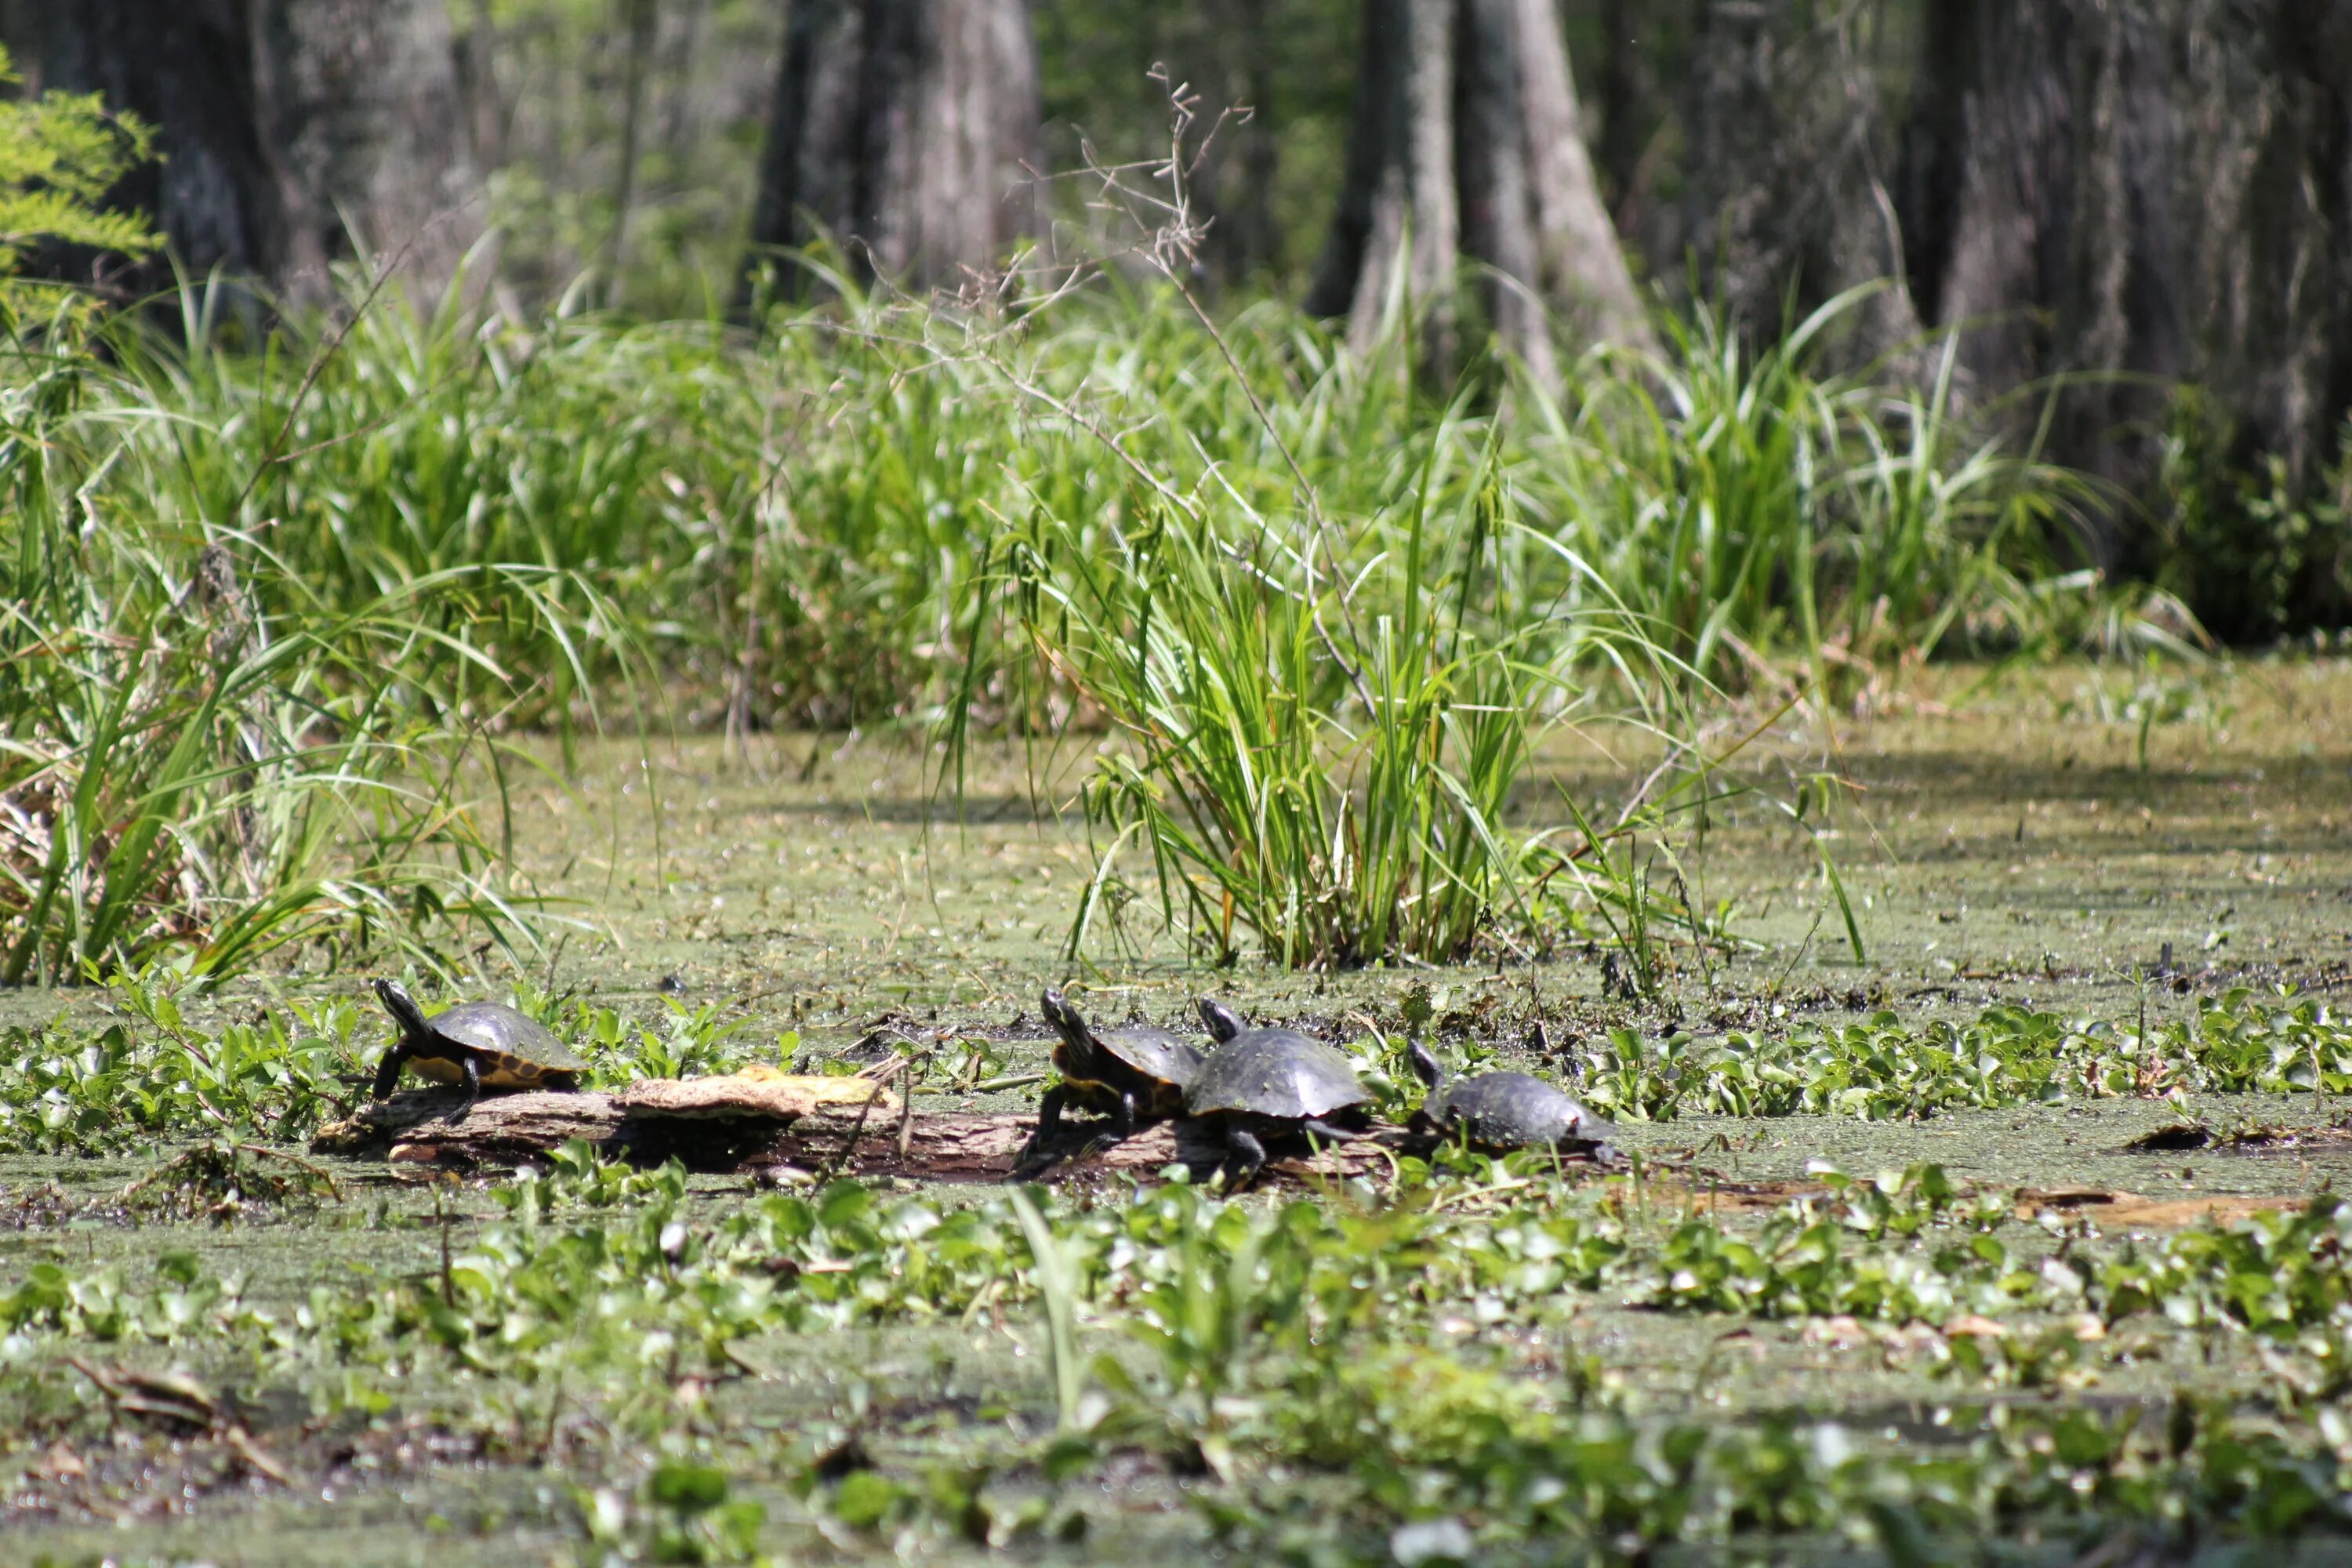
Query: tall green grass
[(1331, 617), (794, 519), (1762, 515), (1320, 762), (202, 761)]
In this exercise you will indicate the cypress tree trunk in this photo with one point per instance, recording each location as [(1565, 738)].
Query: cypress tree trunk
[(277, 119), (2128, 194), (907, 129), (1465, 143), (186, 66), (1787, 198)]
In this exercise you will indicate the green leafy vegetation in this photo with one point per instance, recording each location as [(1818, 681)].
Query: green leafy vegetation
[(203, 762), (2238, 1042), (1256, 1343), (60, 153)]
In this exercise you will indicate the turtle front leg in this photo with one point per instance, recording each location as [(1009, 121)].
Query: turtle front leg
[(472, 1069), (1246, 1148), (1049, 1125), (387, 1072), (1124, 1117), (1315, 1127)]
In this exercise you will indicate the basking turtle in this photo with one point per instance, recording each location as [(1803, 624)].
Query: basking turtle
[(477, 1044), (1131, 1076), (1263, 1086), (1498, 1111)]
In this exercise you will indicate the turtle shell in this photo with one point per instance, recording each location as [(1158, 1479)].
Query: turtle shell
[(1512, 1110), (1099, 1064), (515, 1050), (1151, 1054), (1275, 1074)]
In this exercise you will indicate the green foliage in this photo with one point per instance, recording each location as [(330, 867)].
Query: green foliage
[(1882, 1067), (150, 1075), (1740, 504), (1338, 823), (59, 155), (1265, 1344), (683, 1513), (2252, 551), (201, 759), (2272, 1273)]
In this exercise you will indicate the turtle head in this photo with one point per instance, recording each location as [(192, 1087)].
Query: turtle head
[(401, 1005), (1425, 1065), (1065, 1020), (1222, 1022)]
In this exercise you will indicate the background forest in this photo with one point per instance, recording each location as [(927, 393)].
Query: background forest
[(1330, 400), (2135, 212)]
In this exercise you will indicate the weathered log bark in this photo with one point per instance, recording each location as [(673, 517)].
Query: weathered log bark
[(906, 128), (1465, 143), (501, 1130), (279, 121)]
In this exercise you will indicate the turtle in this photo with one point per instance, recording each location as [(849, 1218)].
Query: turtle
[(1498, 1111), (1261, 1086), (479, 1044), (1133, 1076)]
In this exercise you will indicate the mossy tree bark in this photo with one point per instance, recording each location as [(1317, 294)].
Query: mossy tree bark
[(1465, 145), (905, 130), (279, 121)]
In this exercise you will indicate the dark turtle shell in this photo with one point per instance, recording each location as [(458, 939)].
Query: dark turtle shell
[(1274, 1074), (1103, 1063), (1498, 1111), (513, 1049), (1503, 1111)]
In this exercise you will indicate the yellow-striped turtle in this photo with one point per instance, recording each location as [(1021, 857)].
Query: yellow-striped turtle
[(1132, 1075), (481, 1045)]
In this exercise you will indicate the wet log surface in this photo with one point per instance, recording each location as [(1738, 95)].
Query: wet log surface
[(414, 1128)]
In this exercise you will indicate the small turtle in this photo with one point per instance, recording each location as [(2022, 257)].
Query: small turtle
[(477, 1043), (1131, 1076), (1261, 1086), (1498, 1111)]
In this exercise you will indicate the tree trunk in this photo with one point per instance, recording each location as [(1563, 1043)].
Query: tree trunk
[(1787, 198), (1465, 142), (638, 28), (907, 129), (279, 120), (2125, 195)]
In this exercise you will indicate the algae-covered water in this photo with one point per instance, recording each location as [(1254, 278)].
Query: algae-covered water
[(2101, 844)]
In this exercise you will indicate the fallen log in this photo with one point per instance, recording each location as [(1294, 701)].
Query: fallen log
[(724, 1129)]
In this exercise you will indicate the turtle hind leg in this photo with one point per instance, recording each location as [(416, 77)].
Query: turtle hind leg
[(1244, 1147), (1315, 1127), (387, 1072)]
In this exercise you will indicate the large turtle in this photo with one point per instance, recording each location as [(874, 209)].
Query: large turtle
[(1263, 1086), (1133, 1076), (1498, 1111), (479, 1044)]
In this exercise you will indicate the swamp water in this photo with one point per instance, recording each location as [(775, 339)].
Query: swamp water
[(2036, 845)]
